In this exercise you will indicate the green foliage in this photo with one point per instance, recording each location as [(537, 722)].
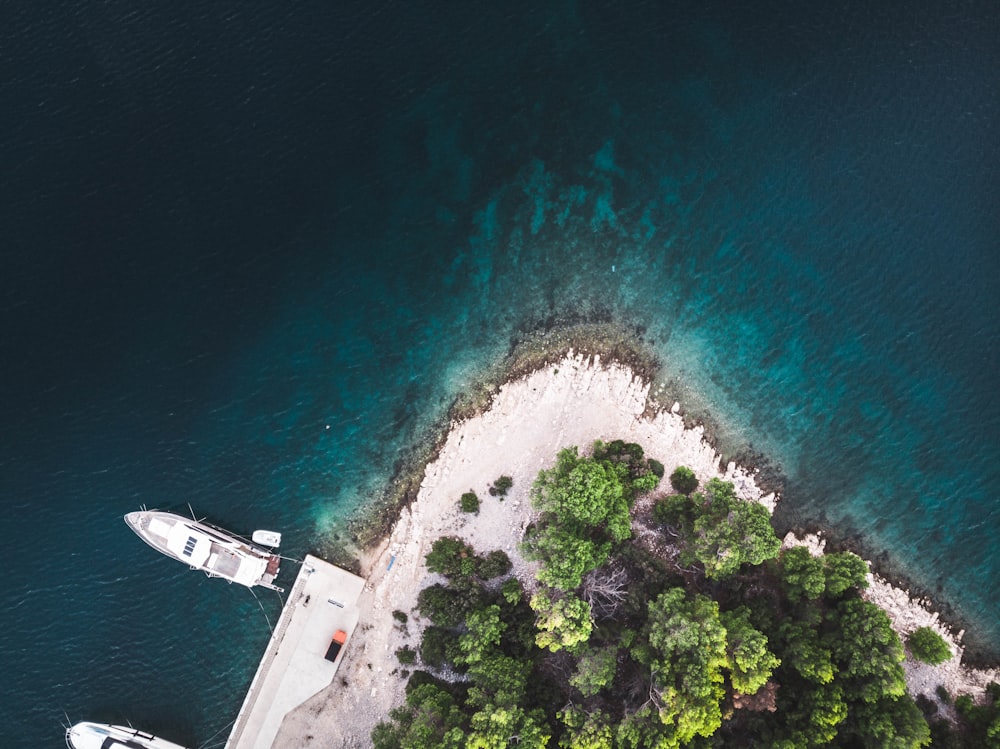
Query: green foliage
[(498, 680), (446, 607), (928, 646), (751, 663), (562, 621), (436, 646), (430, 719), (512, 591), (585, 511), (656, 467), (645, 483), (683, 480), (688, 645), (566, 556), (640, 474), (718, 529), (805, 652), (644, 729), (494, 564), (584, 492), (867, 651), (495, 727), (469, 502), (585, 731), (451, 557), (400, 616), (677, 510), (656, 672), (802, 574), (844, 571), (483, 636), (406, 655), (890, 723), (501, 486), (595, 669), (812, 715)]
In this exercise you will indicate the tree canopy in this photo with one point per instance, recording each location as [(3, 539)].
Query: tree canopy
[(618, 647), (718, 529), (928, 646)]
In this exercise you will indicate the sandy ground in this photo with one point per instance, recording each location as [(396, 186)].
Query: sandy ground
[(530, 420)]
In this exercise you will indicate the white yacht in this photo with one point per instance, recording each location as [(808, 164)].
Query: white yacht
[(214, 551), (106, 736)]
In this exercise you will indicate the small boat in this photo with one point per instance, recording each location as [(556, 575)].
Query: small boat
[(266, 538), (205, 547), (106, 736)]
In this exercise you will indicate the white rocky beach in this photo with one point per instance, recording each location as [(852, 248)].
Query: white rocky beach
[(574, 402)]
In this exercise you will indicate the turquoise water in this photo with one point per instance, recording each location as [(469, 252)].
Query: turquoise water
[(254, 255)]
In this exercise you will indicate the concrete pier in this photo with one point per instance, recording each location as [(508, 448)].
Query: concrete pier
[(293, 669)]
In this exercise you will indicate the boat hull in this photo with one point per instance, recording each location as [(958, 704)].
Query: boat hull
[(107, 736), (201, 546)]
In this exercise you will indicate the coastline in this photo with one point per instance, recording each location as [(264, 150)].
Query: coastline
[(516, 430)]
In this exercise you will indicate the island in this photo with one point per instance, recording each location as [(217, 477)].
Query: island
[(663, 613)]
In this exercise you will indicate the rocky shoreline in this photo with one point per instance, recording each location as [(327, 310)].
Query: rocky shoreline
[(516, 431)]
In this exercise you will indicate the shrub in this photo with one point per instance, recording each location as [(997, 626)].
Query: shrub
[(434, 646), (645, 483), (928, 646), (512, 591), (942, 694), (407, 655), (470, 502), (683, 480), (501, 486), (656, 467), (443, 606), (451, 557), (964, 704), (494, 564), (400, 616)]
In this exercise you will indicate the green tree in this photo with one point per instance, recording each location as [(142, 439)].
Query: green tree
[(867, 652), (683, 480), (751, 663), (688, 645), (812, 715), (451, 557), (595, 669), (585, 731), (584, 491), (844, 571), (498, 679), (438, 646), (484, 632), (730, 532), (430, 719), (565, 554), (890, 723), (584, 506), (802, 574), (644, 729), (496, 727), (562, 621), (928, 646), (806, 652), (495, 564)]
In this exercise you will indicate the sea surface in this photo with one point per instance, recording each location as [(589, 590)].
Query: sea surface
[(251, 252)]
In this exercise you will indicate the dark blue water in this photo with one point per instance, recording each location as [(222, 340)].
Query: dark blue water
[(252, 253)]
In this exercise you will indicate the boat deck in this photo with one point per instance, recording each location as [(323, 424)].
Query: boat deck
[(322, 601)]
